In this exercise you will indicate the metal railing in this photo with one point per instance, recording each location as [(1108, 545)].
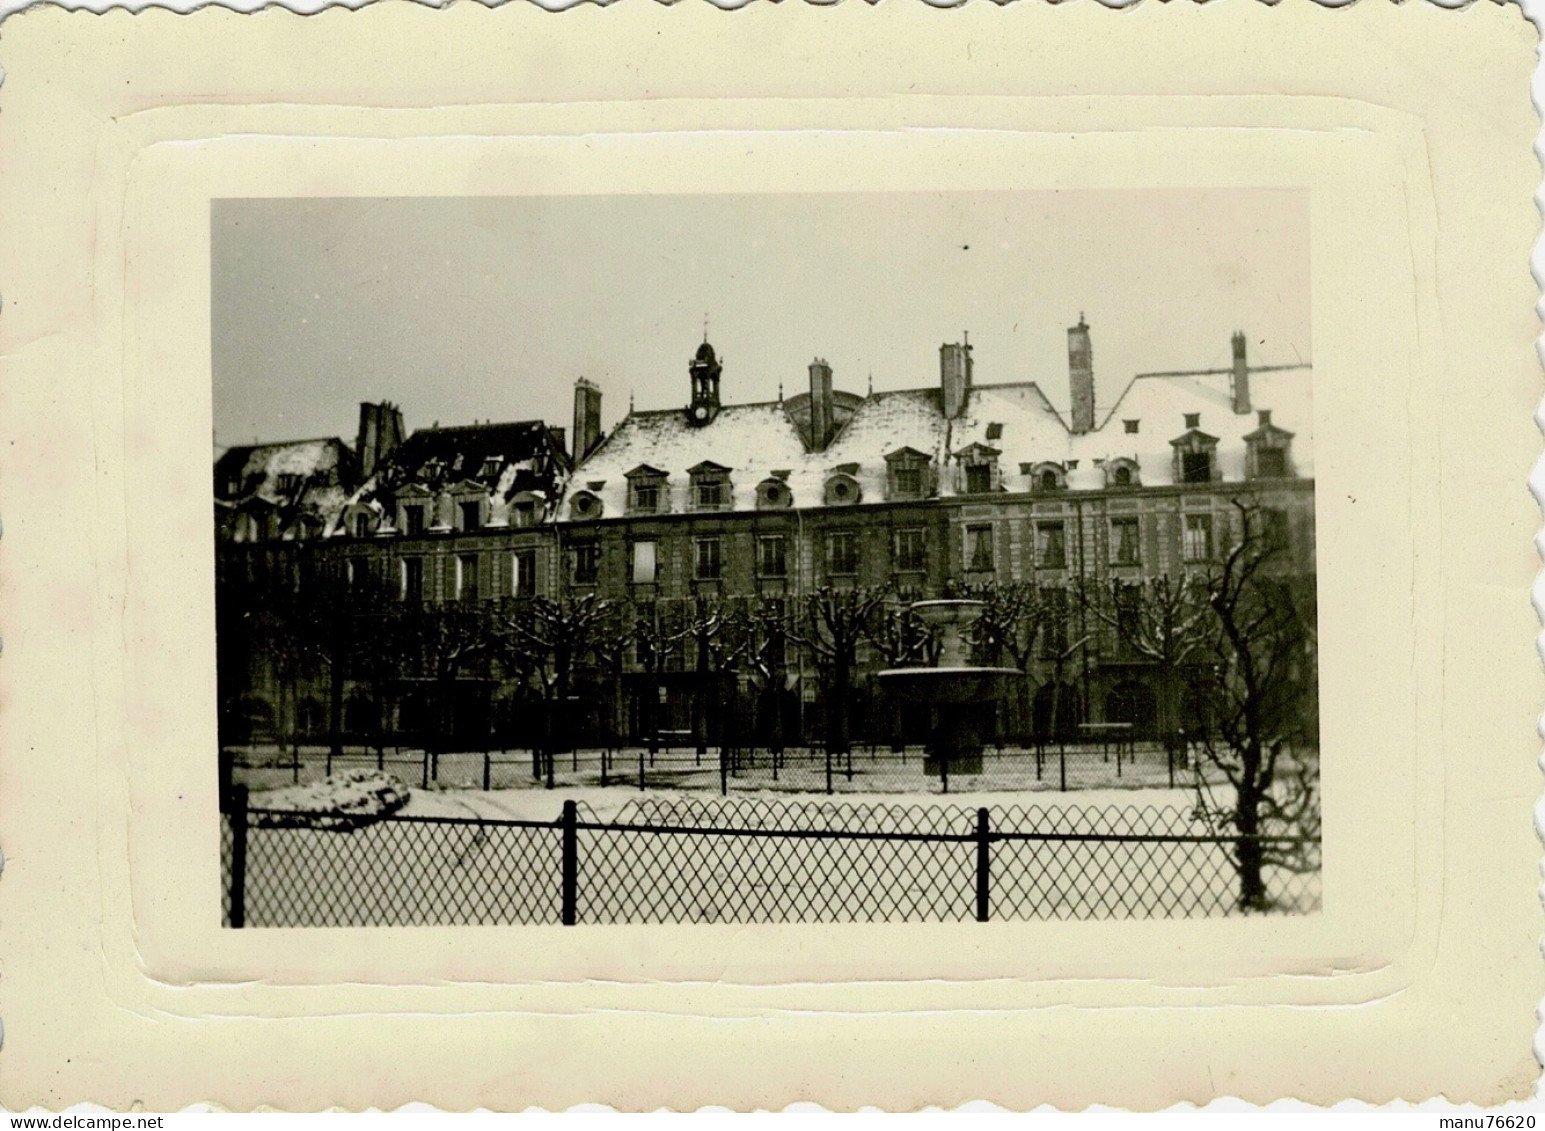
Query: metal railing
[(738, 861)]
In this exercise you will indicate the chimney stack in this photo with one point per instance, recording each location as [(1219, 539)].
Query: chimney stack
[(587, 418), (822, 422), (1239, 383), (955, 375), (380, 431), (1081, 376)]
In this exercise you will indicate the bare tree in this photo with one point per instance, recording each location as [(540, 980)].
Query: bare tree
[(1258, 686), (660, 636), (1167, 621), (901, 638), (830, 624), (552, 639), (1019, 621)]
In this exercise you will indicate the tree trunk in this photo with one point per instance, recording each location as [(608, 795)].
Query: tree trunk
[(837, 708), (1252, 884)]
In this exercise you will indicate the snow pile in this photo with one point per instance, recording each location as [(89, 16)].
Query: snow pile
[(341, 802)]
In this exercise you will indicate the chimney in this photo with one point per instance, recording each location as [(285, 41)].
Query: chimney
[(1081, 376), (955, 375), (1239, 383), (822, 424), (380, 431), (587, 418)]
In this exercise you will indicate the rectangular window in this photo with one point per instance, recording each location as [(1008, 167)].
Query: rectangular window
[(709, 561), (646, 498), (842, 552), (1275, 529), (585, 562), (471, 515), (413, 519), (362, 526), (1125, 549), (979, 548), (1054, 641), (523, 573), (1198, 538), (466, 577), (772, 556), (643, 563), (1271, 463), (910, 551), (525, 514), (978, 478), (909, 482), (710, 496), (1196, 467), (1053, 549), (413, 580)]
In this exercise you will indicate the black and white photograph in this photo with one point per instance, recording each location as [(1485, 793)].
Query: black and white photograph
[(826, 557)]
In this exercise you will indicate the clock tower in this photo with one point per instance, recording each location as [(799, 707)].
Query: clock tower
[(704, 370)]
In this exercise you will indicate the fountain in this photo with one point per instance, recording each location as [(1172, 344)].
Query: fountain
[(955, 688)]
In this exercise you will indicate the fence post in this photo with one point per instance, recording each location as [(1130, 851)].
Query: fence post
[(983, 865), (227, 773), (570, 863), (724, 773), (425, 782), (1062, 751), (238, 818), (828, 769), (641, 769), (487, 766)]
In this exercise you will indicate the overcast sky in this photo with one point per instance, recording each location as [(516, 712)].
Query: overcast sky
[(489, 308)]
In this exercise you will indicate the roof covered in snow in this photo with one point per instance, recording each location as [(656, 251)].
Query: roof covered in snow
[(297, 473), (1016, 421)]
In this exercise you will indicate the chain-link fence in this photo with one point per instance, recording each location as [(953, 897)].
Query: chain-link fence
[(693, 860)]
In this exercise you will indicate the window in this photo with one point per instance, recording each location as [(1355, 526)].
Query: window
[(1054, 640), (909, 482), (362, 526), (413, 580), (523, 573), (1131, 426), (1196, 467), (289, 482), (910, 550), (710, 495), (1124, 546), (491, 467), (1122, 477), (525, 513), (466, 577), (842, 552), (1271, 463), (1193, 420), (1048, 480), (1053, 549), (1197, 545), (1275, 530), (643, 563), (357, 573), (978, 478), (471, 515), (585, 562), (646, 497), (979, 548), (772, 556), (413, 519), (710, 563)]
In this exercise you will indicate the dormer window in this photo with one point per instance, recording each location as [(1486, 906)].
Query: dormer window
[(362, 525), (710, 486), (1267, 450), (527, 508), (1193, 420), (978, 469), (1196, 455), (773, 494), (288, 483), (585, 505), (491, 467), (1130, 426), (647, 492), (908, 473), (413, 518), (842, 490), (1047, 478), (1121, 472), (471, 514)]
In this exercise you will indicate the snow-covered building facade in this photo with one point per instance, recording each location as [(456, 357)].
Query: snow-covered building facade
[(952, 483)]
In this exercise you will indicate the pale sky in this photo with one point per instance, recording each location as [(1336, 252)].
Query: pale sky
[(464, 309)]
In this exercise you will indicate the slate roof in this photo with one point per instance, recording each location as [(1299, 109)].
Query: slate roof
[(312, 475)]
